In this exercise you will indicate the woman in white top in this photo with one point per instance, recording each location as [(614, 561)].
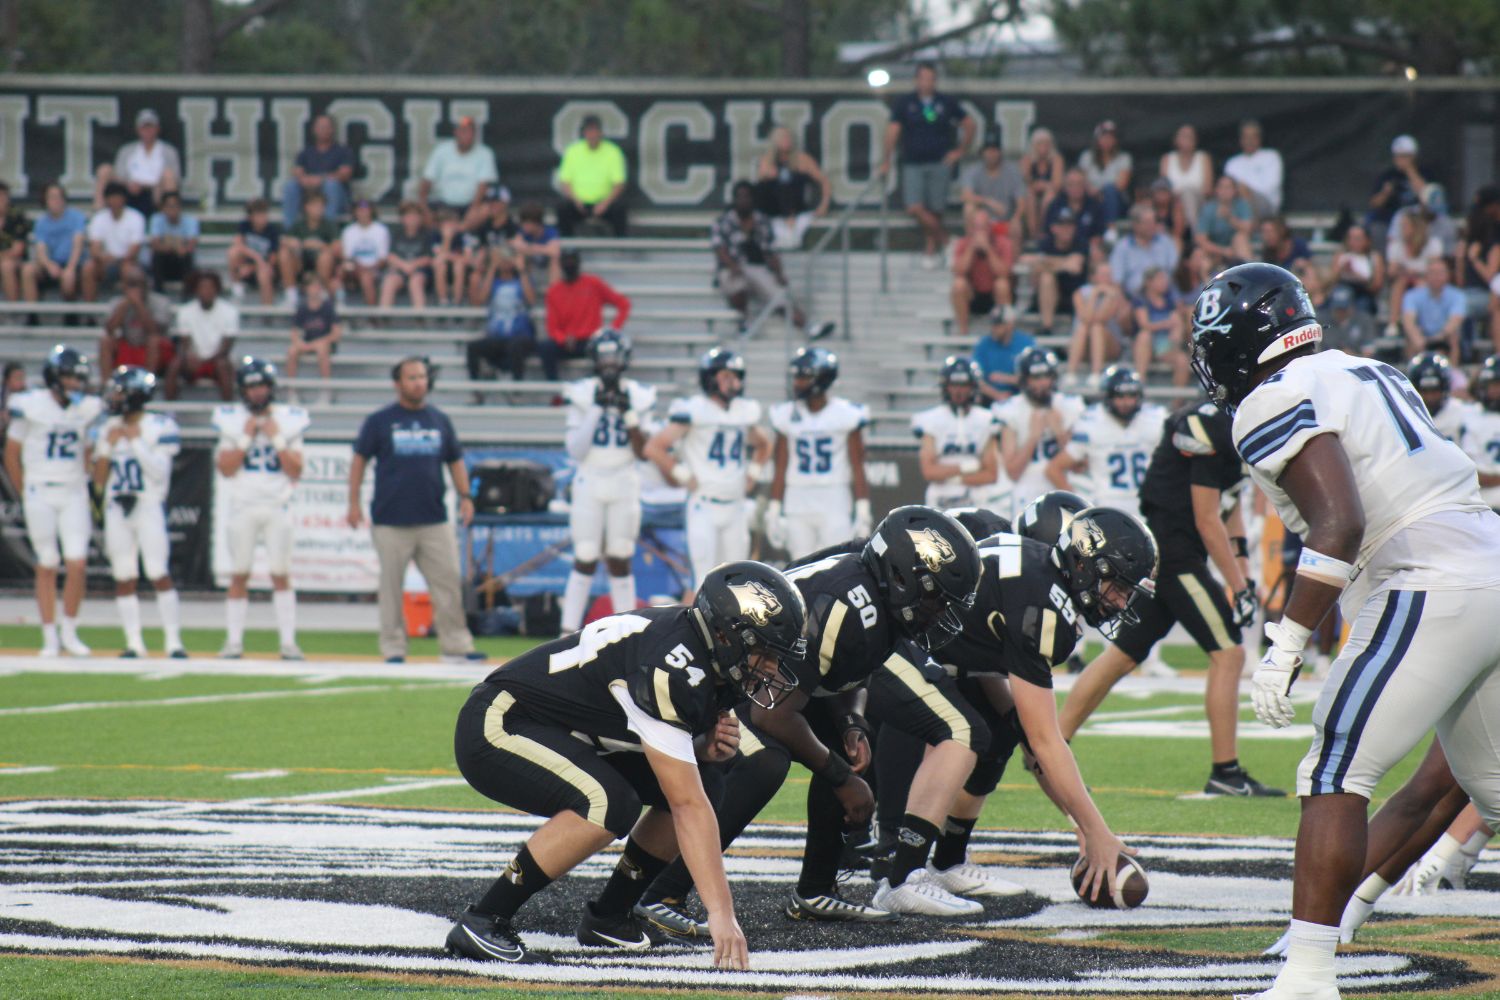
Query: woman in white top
[(1108, 168), (1407, 255), (1359, 267), (1189, 170), (1042, 168)]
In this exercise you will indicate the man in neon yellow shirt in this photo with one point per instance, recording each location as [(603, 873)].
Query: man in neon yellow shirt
[(592, 178)]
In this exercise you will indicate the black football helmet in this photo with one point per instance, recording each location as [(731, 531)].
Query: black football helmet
[(980, 522), (720, 359), (1103, 549), (1487, 384), (744, 608), (61, 362), (1047, 516), (130, 389), (252, 372), (1037, 363), (609, 350), (960, 372), (1246, 316), (927, 567), (816, 363), (1432, 376), (1123, 391)]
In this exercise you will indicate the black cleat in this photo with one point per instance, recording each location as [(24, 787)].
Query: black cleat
[(486, 938), (622, 932), (835, 908), (1238, 782), (672, 917)]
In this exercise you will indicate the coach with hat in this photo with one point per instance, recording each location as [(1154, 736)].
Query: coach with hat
[(148, 167)]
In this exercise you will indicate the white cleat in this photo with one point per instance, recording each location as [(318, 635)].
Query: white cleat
[(1288, 993), (1457, 872), (289, 651), (920, 894), (231, 651), (48, 653), (968, 879), (75, 647)]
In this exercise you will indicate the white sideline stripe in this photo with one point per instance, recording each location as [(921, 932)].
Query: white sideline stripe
[(26, 770), (274, 772), (210, 699), (386, 789), (364, 670)]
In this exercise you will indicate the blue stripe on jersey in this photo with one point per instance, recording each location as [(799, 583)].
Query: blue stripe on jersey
[(1362, 687), (680, 418), (1080, 437), (1271, 435), (16, 413), (918, 433), (169, 439)]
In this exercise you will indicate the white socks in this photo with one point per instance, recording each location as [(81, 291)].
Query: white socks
[(1476, 842), (129, 607), (170, 606), (49, 636), (622, 593), (69, 629), (575, 601), (1360, 906), (285, 603), (236, 610), (1309, 955)]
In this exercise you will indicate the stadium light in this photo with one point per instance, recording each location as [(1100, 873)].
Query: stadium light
[(1411, 72), (878, 78)]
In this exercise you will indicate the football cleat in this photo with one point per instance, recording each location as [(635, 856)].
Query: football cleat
[(133, 653), (671, 917), (231, 651), (290, 651), (177, 654), (921, 894), (1238, 782), (74, 646), (486, 938), (968, 879), (835, 908), (622, 932)]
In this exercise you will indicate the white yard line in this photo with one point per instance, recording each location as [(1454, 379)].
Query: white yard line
[(211, 699), (372, 670), (390, 788)]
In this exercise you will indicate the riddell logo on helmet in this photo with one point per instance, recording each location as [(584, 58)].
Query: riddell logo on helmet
[(1304, 336)]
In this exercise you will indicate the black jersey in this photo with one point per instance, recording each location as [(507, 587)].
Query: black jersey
[(849, 630), (1196, 449), (657, 656), (1023, 622)]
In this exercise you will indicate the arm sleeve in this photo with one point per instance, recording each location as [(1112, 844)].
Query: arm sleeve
[(654, 733), (1276, 421)]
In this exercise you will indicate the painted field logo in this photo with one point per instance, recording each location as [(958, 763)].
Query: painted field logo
[(328, 887)]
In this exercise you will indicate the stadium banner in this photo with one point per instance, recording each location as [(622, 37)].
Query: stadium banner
[(686, 143)]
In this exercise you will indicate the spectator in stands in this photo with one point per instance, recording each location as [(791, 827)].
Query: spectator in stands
[(922, 122), (983, 262), (1058, 267), (1160, 329), (310, 246), (592, 178), (1407, 257), (457, 177), (1257, 171), (785, 179), (1478, 260), (496, 232), (1146, 247), (749, 267), (538, 244), (1088, 214), (172, 236), (364, 245), (1314, 282), (509, 335), (116, 233), (1224, 227), (138, 329), (254, 253), (326, 167), (409, 264), (147, 168), (61, 251), (1432, 313), (1107, 169), (1042, 171), (1188, 170), (575, 312), (206, 327), (994, 184), (15, 237), (1102, 320), (1278, 245), (996, 354), (1399, 185), (315, 327), (1359, 267), (12, 381), (1433, 208), (1171, 220), (1346, 327)]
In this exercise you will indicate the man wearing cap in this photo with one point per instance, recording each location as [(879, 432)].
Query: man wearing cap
[(1257, 171), (923, 123), (996, 354), (1346, 328), (1059, 265), (457, 177), (325, 166), (148, 167), (1087, 211), (1399, 185), (592, 179), (994, 184)]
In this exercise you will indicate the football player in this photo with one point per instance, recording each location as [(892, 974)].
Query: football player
[(133, 468), (260, 457), (45, 458), (1194, 474), (1394, 529), (819, 457), (1110, 447), (723, 456), (1482, 441), (1036, 424), (587, 729), (605, 438), (960, 451), (1433, 378)]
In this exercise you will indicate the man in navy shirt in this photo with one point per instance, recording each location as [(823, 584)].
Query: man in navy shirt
[(325, 166), (923, 122), (410, 443)]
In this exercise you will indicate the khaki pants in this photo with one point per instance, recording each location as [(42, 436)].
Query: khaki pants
[(435, 551)]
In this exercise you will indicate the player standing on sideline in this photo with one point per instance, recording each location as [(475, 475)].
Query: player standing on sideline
[(819, 457), (1482, 442), (1433, 378), (45, 460), (1393, 529), (133, 467), (605, 438), (260, 456), (723, 457), (1110, 447), (960, 451), (1035, 425)]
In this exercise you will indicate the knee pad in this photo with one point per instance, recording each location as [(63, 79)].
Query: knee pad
[(623, 811), (985, 777)]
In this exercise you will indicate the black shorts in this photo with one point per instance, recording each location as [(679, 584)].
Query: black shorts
[(1187, 595), (925, 702), (543, 769), (981, 303)]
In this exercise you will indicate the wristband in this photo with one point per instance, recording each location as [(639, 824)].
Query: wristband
[(279, 442), (1288, 636), (1324, 569), (681, 475), (854, 720), (756, 470), (836, 771), (1241, 546)]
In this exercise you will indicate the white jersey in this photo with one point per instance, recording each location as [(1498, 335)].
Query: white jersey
[(1482, 442), (261, 479), (53, 437), (958, 434), (817, 444), (1015, 413), (1115, 455), (141, 465), (601, 437), (1404, 469), (1453, 419), (716, 447)]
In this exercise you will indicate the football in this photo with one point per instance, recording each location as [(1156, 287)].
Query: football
[(1131, 886)]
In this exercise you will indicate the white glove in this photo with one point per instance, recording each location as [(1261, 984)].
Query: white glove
[(864, 521), (1272, 680), (775, 524), (968, 465)]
